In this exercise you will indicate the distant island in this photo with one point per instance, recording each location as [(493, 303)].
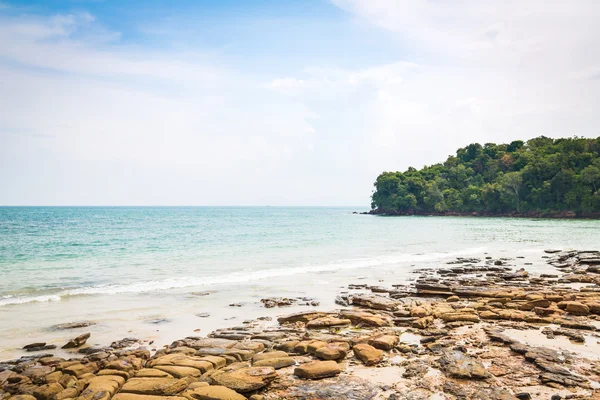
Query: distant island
[(542, 177)]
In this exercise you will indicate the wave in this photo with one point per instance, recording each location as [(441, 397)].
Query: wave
[(243, 276), (8, 300)]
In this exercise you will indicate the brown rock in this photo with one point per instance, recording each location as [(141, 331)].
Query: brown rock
[(131, 396), (268, 355), (245, 379), (179, 372), (326, 322), (212, 393), (333, 351), (181, 360), (81, 369), (155, 386), (78, 341), (422, 323), (152, 373), (48, 391), (574, 307), (385, 342), (277, 363), (318, 370), (101, 387), (368, 354)]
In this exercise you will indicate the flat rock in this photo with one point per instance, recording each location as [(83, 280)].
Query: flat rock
[(375, 302), (245, 379), (368, 354), (212, 393), (458, 365), (155, 386), (318, 370)]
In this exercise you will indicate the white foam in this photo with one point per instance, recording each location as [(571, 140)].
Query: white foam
[(243, 276), (8, 300)]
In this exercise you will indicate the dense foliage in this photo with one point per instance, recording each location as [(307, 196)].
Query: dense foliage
[(542, 175)]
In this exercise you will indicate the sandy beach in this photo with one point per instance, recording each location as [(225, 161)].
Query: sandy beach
[(476, 327)]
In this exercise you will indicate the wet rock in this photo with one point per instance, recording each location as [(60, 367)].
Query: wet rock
[(40, 347), (317, 370), (73, 325), (77, 342), (368, 354), (203, 315)]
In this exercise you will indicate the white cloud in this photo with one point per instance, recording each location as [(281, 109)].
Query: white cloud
[(87, 119)]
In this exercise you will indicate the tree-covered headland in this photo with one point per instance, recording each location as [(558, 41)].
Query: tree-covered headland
[(540, 177)]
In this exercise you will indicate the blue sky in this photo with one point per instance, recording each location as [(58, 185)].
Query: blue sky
[(276, 102)]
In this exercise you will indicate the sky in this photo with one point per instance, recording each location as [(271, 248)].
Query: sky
[(271, 102)]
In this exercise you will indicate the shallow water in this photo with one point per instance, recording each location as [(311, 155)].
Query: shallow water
[(127, 267)]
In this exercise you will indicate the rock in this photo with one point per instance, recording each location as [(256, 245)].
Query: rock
[(277, 363), (301, 317), (318, 370), (333, 351), (368, 354), (245, 379), (73, 325), (155, 386), (131, 396), (269, 355), (460, 316), (152, 373), (385, 342), (33, 345), (212, 393), (374, 302), (458, 365), (325, 322), (43, 347), (523, 396), (422, 323), (48, 391), (101, 387), (77, 342), (574, 307), (81, 369), (178, 371), (181, 360), (453, 299), (366, 318), (203, 315)]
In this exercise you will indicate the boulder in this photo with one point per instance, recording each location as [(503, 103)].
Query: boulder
[(318, 370), (48, 391), (574, 307), (333, 351), (385, 342), (367, 354)]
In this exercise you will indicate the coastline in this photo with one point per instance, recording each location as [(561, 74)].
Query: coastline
[(479, 327), (538, 215)]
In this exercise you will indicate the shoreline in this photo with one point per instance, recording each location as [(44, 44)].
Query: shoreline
[(560, 215), (479, 327)]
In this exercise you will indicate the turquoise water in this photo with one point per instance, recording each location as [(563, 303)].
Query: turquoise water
[(126, 268), (47, 253)]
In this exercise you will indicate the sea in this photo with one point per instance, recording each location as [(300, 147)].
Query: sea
[(164, 273)]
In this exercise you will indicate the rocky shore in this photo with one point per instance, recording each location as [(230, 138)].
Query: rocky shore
[(471, 329)]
